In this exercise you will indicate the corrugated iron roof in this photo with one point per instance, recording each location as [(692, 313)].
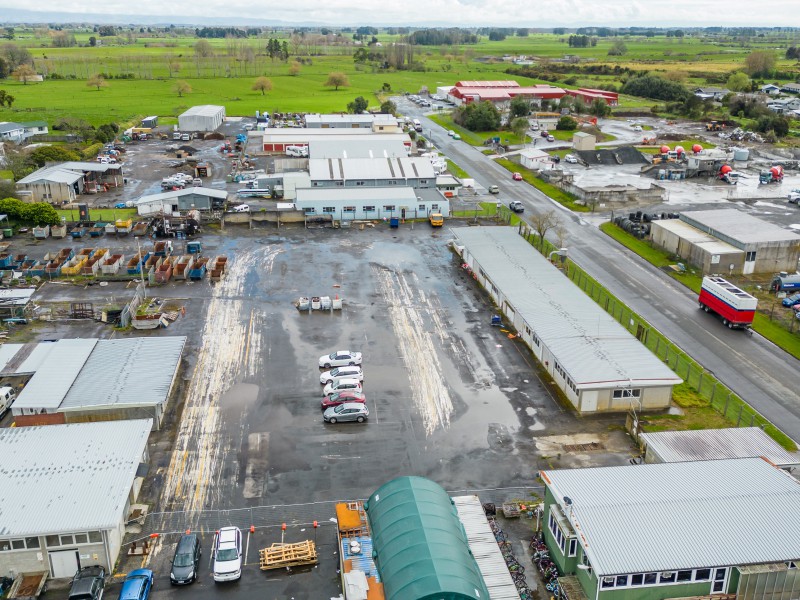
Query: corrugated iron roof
[(65, 478), (200, 191), (737, 225), (595, 350), (357, 148), (321, 169), (360, 194), (673, 516), (52, 380), (714, 444), (203, 110), (483, 546), (55, 174), (127, 372), (8, 352)]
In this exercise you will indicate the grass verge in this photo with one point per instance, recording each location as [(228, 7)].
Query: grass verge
[(456, 170), (99, 214), (548, 189), (488, 209)]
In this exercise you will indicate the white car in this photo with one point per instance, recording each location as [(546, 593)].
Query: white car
[(338, 373), (342, 385), (571, 158), (242, 208), (794, 197), (637, 128), (228, 554), (451, 133), (340, 358)]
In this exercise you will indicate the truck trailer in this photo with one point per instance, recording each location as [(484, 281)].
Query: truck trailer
[(736, 307)]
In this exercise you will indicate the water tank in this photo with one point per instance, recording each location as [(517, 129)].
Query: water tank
[(664, 149), (741, 154), (679, 149), (777, 172), (725, 169), (697, 148)]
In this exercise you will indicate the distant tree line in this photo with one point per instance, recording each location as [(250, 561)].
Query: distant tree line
[(581, 41), (442, 37), (220, 32)]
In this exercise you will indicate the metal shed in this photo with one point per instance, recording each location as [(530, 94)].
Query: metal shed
[(206, 117)]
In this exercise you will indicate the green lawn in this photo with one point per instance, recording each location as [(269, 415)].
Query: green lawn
[(456, 171), (771, 330), (548, 189), (6, 175), (100, 214), (488, 209)]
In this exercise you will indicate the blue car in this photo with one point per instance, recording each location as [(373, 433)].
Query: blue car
[(791, 300), (137, 585), (120, 205)]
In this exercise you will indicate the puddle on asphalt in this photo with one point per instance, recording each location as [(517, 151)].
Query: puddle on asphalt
[(239, 397)]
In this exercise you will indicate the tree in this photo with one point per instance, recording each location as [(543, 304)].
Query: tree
[(203, 49), (738, 82), (760, 63), (357, 106), (23, 73), (8, 189), (263, 85), (294, 69), (567, 123), (336, 80), (44, 154), (618, 48), (519, 107), (16, 55), (544, 222), (388, 107), (182, 87), (478, 116), (519, 126), (106, 30), (92, 41), (40, 214), (97, 81), (6, 99), (12, 207), (600, 108), (652, 86)]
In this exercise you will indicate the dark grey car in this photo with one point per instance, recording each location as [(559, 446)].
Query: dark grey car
[(349, 411), (186, 559), (88, 584)]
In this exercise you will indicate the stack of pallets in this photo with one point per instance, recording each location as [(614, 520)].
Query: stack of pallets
[(288, 555)]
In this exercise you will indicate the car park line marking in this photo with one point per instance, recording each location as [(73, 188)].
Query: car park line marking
[(247, 548)]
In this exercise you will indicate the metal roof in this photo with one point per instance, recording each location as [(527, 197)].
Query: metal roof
[(398, 194), (55, 174), (672, 516), (366, 147), (52, 380), (595, 350), (336, 118), (203, 110), (714, 444), (7, 352), (335, 169), (95, 167), (739, 226), (16, 296), (483, 546), (201, 191), (420, 547), (127, 372), (65, 478), (8, 127)]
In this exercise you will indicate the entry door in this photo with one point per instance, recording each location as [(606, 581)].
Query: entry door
[(720, 581), (64, 563)]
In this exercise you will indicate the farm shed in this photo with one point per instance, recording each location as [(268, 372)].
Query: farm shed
[(67, 493), (77, 380), (206, 117), (595, 361), (413, 172), (51, 184), (194, 198)]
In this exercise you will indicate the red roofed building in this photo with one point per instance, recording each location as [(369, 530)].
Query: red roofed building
[(487, 84), (501, 95), (589, 95)]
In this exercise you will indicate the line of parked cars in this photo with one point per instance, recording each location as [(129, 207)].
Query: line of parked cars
[(343, 395), (793, 302)]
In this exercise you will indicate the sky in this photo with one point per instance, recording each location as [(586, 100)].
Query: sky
[(464, 13)]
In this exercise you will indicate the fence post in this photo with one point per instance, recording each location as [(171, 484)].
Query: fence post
[(727, 399), (658, 342), (700, 384), (739, 420), (752, 419), (713, 391)]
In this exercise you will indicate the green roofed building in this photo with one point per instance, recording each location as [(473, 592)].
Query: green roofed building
[(419, 544)]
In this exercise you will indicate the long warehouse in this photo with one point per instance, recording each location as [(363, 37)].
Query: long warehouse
[(595, 361)]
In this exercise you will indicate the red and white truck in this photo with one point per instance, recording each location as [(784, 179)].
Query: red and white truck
[(736, 307)]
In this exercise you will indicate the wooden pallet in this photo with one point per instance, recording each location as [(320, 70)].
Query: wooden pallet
[(288, 555)]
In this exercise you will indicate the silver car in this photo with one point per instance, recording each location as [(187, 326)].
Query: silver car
[(349, 411), (341, 373)]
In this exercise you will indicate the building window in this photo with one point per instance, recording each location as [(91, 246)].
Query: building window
[(622, 581), (702, 574), (434, 207), (684, 576), (650, 578), (393, 182), (339, 183), (309, 211), (637, 579), (573, 546), (315, 184), (618, 394), (791, 565), (369, 209), (81, 538), (19, 544), (389, 207), (349, 209), (750, 256), (423, 181), (607, 582), (328, 209), (667, 577), (95, 537), (32, 542), (535, 339), (421, 207), (359, 183), (719, 580)]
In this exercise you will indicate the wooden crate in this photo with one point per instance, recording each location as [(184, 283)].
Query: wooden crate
[(288, 555)]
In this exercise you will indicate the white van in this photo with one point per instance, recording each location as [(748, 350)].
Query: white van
[(297, 151), (7, 397), (228, 554)]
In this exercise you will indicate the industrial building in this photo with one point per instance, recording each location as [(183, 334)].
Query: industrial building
[(589, 95), (377, 123), (77, 380), (364, 147), (372, 172), (593, 359), (500, 93), (371, 202), (67, 490), (411, 540), (675, 530), (728, 242), (194, 198), (64, 182), (535, 159), (715, 444), (277, 139), (206, 117)]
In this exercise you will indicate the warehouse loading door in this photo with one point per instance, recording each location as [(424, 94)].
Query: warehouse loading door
[(63, 563)]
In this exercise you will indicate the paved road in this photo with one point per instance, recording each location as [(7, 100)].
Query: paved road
[(761, 373)]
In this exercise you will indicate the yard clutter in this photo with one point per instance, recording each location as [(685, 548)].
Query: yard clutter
[(280, 555)]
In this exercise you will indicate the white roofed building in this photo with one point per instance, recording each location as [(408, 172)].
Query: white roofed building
[(206, 117)]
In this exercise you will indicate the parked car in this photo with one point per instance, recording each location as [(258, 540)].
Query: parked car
[(544, 133), (241, 208), (571, 158), (550, 138), (88, 584), (493, 189), (120, 205), (535, 127), (337, 373), (456, 136), (186, 559), (791, 300), (451, 133), (349, 411), (337, 398), (637, 128), (516, 176), (186, 137), (340, 358), (137, 585), (516, 206), (228, 554), (794, 197), (341, 385)]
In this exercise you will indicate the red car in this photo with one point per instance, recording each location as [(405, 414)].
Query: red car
[(516, 177), (338, 398)]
